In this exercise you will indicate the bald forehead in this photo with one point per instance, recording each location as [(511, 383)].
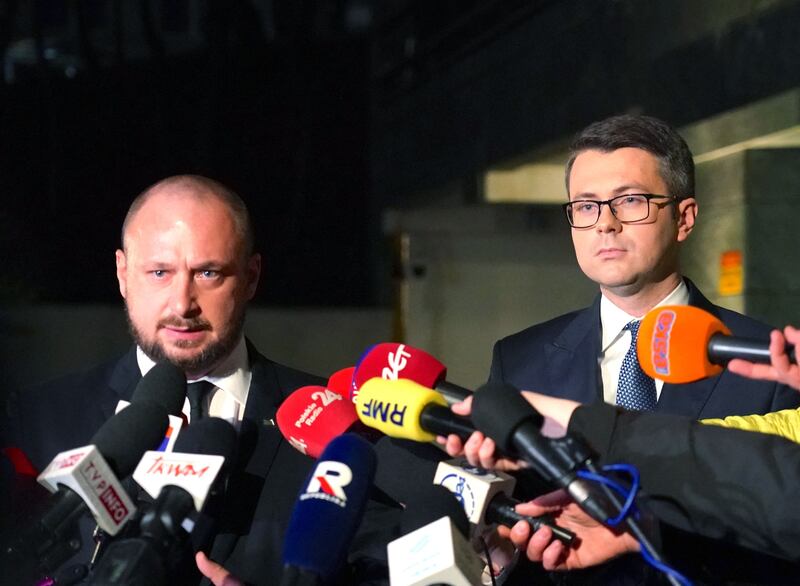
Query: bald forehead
[(176, 195)]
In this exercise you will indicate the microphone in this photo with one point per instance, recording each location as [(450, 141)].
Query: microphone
[(84, 479), (180, 482), (391, 361), (342, 382), (502, 413), (434, 548), (165, 385), (407, 410), (313, 415), (681, 344), (328, 512), (486, 498)]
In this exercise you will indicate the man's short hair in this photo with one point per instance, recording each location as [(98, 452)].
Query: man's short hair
[(642, 132), (201, 187)]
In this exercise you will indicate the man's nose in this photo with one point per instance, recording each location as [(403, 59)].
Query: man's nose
[(607, 222), (183, 297)]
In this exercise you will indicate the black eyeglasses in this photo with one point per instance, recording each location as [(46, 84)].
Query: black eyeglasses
[(628, 208)]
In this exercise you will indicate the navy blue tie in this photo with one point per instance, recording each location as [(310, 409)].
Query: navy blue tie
[(635, 391)]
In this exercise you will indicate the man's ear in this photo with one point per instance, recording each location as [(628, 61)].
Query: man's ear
[(253, 274), (122, 272), (687, 216)]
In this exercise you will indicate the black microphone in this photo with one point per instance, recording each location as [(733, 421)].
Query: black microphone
[(180, 482), (502, 413), (486, 497), (165, 385), (92, 472)]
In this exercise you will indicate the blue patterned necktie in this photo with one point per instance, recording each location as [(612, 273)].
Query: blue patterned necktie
[(635, 391)]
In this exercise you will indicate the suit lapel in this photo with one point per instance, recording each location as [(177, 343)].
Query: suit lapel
[(689, 399), (123, 381), (573, 357), (259, 440)]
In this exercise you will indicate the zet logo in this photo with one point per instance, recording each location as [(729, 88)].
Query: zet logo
[(661, 338), (457, 484), (328, 482)]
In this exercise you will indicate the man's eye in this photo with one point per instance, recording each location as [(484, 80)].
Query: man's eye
[(632, 200), (158, 273), (209, 274), (586, 207)]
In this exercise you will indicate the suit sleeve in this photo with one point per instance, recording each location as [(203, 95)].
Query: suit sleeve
[(727, 484), (496, 369)]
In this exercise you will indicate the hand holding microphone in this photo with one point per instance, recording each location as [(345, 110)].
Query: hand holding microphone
[(782, 368), (681, 344)]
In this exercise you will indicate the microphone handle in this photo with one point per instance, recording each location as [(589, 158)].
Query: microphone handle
[(501, 510), (440, 420), (452, 393), (722, 349)]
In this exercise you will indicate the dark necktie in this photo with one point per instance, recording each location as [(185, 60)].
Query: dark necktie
[(197, 392), (635, 391)]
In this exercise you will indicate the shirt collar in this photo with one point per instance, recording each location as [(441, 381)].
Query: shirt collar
[(613, 319), (232, 375)]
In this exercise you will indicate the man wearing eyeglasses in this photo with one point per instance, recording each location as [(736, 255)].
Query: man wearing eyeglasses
[(630, 184)]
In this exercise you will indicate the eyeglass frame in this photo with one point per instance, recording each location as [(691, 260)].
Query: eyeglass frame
[(648, 196)]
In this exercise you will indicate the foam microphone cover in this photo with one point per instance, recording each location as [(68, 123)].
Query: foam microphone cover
[(330, 506), (341, 381), (210, 436), (393, 361), (498, 410), (165, 385), (395, 407), (673, 343), (130, 433), (432, 502), (315, 415)]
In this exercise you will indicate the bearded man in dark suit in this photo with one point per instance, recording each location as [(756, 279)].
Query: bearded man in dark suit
[(187, 270)]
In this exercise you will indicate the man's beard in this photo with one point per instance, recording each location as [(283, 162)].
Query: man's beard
[(203, 362)]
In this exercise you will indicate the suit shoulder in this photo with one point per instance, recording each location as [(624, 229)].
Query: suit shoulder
[(76, 386), (288, 379), (742, 325), (542, 332)]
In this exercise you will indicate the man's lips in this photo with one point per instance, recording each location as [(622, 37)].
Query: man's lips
[(610, 252), (180, 333)]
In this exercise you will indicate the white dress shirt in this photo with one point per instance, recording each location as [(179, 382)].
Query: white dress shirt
[(231, 379), (616, 339)]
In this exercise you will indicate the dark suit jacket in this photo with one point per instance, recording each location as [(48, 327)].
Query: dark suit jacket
[(262, 488), (561, 357)]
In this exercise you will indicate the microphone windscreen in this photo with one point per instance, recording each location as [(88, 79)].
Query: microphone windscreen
[(498, 409), (211, 436), (673, 343), (130, 433), (342, 382), (432, 502), (165, 385), (391, 361), (312, 416), (330, 506), (394, 407)]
